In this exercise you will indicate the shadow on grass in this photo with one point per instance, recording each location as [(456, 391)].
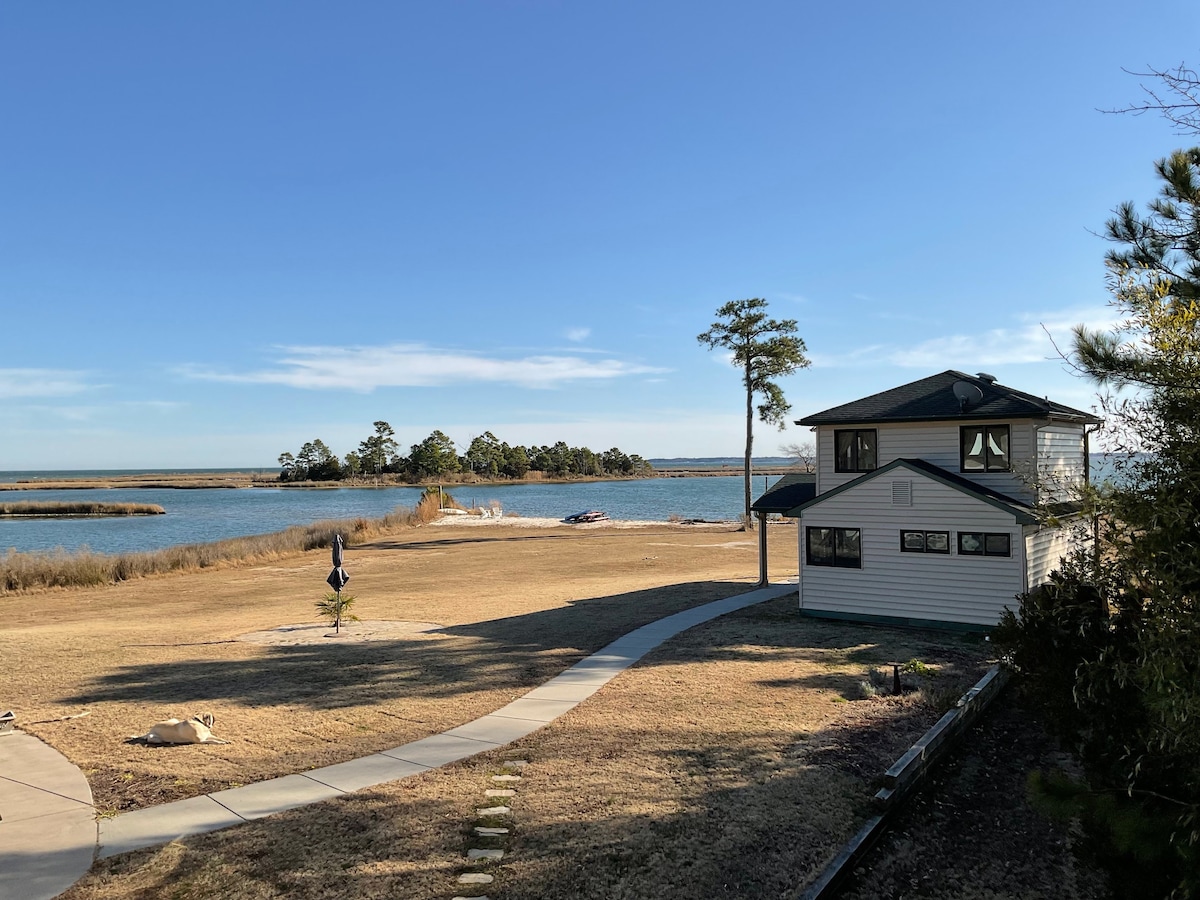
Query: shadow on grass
[(743, 824), (516, 652), (513, 653)]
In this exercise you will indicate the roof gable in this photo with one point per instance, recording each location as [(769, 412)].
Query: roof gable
[(934, 398), (1022, 512)]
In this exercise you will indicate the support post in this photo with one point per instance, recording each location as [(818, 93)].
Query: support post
[(762, 549)]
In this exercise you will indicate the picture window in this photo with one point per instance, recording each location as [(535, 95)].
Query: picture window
[(840, 547)]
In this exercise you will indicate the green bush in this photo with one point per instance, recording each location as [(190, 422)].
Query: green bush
[(335, 609)]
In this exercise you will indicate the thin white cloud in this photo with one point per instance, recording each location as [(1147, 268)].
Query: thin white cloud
[(1033, 338), (414, 365), (1037, 338), (63, 413), (41, 383), (576, 335), (159, 406), (106, 413)]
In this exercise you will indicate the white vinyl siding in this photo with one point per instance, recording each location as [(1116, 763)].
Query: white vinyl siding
[(1061, 460), (931, 586), (1044, 548), (937, 443)]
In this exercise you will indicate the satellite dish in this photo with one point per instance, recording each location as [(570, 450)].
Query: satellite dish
[(967, 394)]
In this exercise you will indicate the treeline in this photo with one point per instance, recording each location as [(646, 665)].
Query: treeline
[(437, 457)]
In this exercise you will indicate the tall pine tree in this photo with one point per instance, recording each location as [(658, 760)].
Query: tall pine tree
[(764, 349)]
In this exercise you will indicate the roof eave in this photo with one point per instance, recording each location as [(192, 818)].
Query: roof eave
[(1083, 419)]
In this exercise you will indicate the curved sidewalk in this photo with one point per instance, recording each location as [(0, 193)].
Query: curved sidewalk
[(48, 831)]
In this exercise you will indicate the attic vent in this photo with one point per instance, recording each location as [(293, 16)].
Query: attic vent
[(901, 493), (984, 376)]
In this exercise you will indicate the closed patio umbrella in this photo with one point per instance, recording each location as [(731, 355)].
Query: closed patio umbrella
[(337, 578)]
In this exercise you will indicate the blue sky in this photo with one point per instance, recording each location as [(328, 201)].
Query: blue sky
[(229, 228)]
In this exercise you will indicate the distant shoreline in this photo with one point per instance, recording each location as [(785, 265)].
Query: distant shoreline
[(195, 480)]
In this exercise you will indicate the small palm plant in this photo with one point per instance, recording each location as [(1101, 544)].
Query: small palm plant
[(335, 608)]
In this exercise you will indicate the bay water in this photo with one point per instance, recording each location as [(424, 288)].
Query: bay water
[(202, 515)]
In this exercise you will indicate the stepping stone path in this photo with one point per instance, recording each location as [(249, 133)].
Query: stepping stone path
[(491, 854), (475, 853), (475, 878)]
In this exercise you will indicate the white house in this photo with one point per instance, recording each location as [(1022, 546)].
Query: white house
[(928, 498)]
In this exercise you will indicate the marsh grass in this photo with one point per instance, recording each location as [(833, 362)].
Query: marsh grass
[(21, 572), (431, 504), (56, 509)]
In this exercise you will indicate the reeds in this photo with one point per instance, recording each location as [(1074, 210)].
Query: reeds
[(59, 569), (63, 509)]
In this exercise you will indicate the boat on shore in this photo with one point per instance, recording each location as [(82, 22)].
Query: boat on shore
[(588, 515)]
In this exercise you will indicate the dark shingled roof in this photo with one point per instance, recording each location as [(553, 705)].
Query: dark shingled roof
[(933, 398), (787, 493), (1022, 511)]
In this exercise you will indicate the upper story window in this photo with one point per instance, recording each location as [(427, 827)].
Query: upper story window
[(855, 450), (984, 448)]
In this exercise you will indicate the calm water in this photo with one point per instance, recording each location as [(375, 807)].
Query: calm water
[(196, 516)]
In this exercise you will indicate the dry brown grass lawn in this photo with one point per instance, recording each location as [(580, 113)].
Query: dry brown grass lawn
[(517, 606), (729, 763)]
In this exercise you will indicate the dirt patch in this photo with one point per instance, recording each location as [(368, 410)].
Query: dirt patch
[(350, 633)]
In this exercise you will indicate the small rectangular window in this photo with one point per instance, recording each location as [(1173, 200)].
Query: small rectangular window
[(937, 542), (841, 547), (979, 543), (855, 450), (984, 448), (996, 545), (925, 541)]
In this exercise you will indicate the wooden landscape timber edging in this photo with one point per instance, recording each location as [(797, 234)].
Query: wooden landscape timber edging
[(903, 775)]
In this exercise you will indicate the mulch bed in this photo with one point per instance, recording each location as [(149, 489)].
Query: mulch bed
[(970, 833)]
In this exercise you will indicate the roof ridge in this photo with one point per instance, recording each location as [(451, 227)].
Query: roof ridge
[(931, 399)]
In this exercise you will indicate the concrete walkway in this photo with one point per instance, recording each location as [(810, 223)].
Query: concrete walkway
[(47, 824), (49, 835)]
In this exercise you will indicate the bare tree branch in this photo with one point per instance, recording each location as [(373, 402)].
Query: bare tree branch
[(1177, 99)]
